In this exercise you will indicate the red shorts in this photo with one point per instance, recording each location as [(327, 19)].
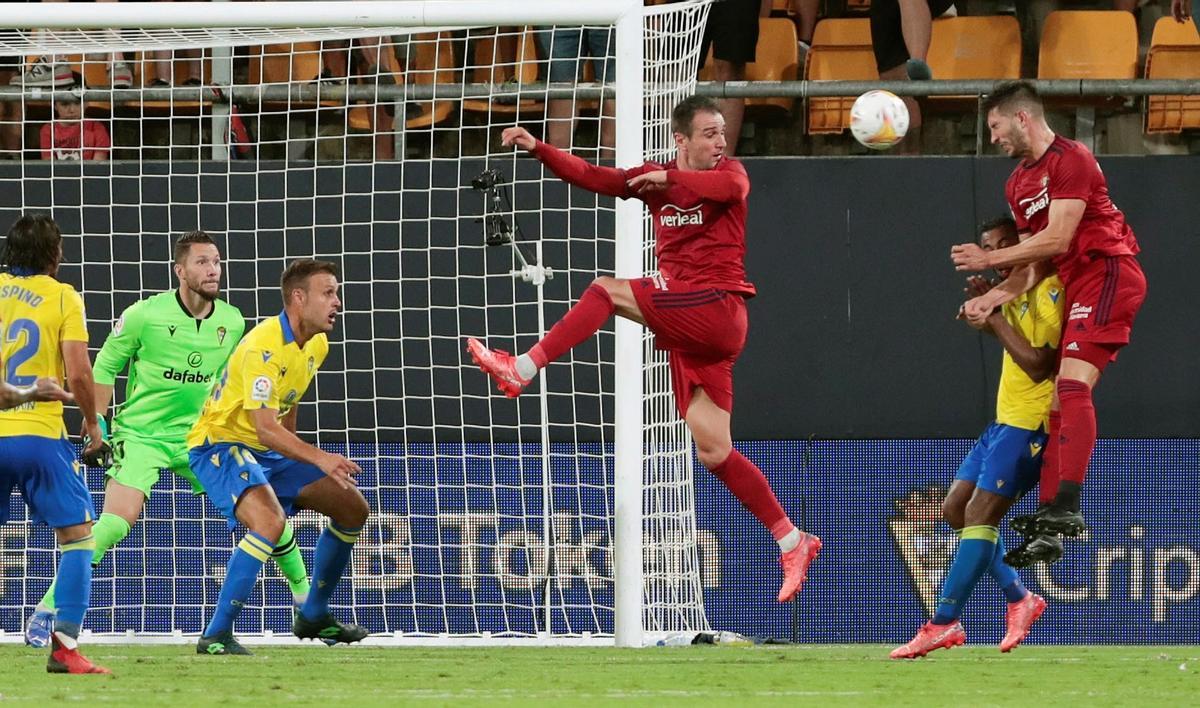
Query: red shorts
[(1102, 302), (703, 329)]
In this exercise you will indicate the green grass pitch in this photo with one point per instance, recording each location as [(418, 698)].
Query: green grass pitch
[(824, 675)]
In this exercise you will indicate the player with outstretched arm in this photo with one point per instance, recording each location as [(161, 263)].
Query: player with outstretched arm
[(696, 305)]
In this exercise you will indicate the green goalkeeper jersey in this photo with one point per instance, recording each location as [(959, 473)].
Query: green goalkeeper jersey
[(174, 359)]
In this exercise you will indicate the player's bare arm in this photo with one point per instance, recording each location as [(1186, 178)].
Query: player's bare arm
[(1020, 280), (1038, 362), (44, 389), (274, 436), (1051, 241), (81, 383)]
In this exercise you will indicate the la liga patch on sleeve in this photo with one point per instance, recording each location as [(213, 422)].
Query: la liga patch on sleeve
[(261, 390)]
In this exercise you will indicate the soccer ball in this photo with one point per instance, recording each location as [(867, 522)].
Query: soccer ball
[(879, 119)]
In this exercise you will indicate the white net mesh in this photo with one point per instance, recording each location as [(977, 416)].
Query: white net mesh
[(491, 517)]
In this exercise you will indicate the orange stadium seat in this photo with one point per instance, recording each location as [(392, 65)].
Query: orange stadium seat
[(430, 60), (285, 64), (1088, 44), (974, 48), (776, 58), (503, 56), (841, 50), (1174, 54), (143, 74)]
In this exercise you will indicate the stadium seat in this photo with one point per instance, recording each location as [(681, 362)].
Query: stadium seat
[(841, 50), (973, 48), (143, 74), (297, 63), (503, 56), (1088, 44), (776, 58), (1174, 54), (430, 60)]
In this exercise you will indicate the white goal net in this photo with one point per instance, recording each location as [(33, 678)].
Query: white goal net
[(490, 517)]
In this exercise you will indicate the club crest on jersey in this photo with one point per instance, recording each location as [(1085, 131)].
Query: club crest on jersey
[(1045, 181), (680, 217), (221, 331)]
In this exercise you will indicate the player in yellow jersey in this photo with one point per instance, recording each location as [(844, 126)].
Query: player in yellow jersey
[(1005, 462), (43, 335), (245, 452)]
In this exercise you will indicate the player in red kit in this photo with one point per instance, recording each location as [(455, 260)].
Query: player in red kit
[(696, 306), (1059, 198)]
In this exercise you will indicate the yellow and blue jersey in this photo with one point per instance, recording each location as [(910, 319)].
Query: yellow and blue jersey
[(1038, 316), (268, 369), (37, 314)]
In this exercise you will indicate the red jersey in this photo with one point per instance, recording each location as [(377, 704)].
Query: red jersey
[(699, 219), (77, 140), (1068, 170)]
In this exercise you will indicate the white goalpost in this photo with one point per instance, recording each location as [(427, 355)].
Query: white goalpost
[(368, 133)]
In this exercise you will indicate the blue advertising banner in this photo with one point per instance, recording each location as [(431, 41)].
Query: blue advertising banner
[(460, 543)]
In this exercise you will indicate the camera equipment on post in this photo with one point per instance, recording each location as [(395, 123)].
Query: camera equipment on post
[(498, 232)]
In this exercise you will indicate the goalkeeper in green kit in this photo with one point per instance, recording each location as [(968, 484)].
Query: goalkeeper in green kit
[(176, 344)]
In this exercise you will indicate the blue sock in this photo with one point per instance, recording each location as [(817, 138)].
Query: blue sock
[(975, 553), (240, 575), (329, 562), (74, 585), (1006, 576)]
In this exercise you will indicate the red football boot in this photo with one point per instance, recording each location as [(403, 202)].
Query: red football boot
[(795, 565), (500, 365)]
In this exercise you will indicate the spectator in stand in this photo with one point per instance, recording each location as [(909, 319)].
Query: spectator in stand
[(732, 31), (10, 113), (900, 34), (1181, 10), (71, 136), (806, 12), (566, 46)]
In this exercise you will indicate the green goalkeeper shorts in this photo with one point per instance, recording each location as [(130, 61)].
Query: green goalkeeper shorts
[(137, 462)]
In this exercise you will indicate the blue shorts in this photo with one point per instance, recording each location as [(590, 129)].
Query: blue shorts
[(50, 478), (1005, 461), (227, 470)]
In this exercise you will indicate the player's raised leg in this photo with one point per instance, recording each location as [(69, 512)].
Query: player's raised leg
[(709, 425), (602, 298)]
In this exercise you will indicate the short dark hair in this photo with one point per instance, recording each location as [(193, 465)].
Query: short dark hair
[(298, 272), (686, 110), (1011, 95), (34, 244), (1000, 222), (183, 244)]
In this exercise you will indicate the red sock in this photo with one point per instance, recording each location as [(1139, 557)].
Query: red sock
[(1078, 435), (1048, 486), (588, 315), (750, 486)]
